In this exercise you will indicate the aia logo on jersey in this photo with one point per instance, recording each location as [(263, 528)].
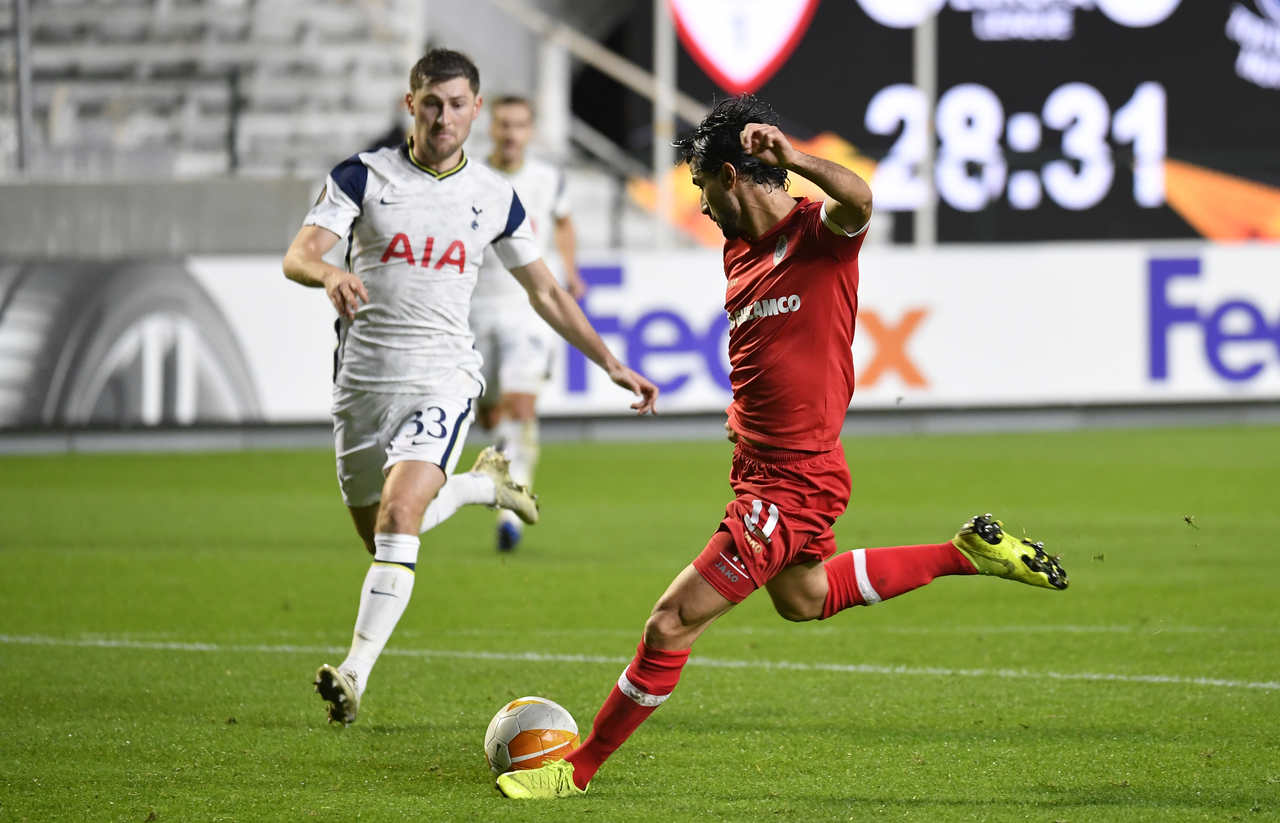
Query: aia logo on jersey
[(454, 255), (780, 250)]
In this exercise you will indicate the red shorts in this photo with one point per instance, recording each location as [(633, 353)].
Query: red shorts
[(782, 514)]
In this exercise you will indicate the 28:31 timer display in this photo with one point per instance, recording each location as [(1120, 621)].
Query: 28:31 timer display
[(978, 142)]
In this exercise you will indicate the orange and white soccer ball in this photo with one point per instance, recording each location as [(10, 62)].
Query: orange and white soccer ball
[(528, 732)]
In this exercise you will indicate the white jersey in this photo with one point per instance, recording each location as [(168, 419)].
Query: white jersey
[(417, 237), (541, 188)]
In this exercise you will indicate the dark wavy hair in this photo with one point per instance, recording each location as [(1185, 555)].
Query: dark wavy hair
[(443, 64), (716, 140)]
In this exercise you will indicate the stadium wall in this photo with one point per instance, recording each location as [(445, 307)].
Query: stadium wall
[(105, 220), (226, 340)]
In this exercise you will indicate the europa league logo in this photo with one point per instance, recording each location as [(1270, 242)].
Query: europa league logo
[(905, 14)]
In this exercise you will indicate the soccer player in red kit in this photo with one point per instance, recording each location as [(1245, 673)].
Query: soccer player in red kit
[(792, 298)]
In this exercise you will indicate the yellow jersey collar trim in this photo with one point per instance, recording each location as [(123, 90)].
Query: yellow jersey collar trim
[(439, 175)]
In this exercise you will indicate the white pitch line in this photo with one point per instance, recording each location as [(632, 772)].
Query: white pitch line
[(1041, 628), (710, 662)]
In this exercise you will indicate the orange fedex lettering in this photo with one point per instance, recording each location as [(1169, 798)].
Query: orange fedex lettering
[(891, 348)]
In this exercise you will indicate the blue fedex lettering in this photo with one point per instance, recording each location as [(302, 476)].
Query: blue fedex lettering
[(1163, 316), (638, 337)]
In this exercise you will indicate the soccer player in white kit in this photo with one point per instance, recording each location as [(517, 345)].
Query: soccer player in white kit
[(516, 344), (419, 218)]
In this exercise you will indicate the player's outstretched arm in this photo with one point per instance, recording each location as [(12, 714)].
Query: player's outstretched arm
[(556, 306), (304, 263), (848, 195)]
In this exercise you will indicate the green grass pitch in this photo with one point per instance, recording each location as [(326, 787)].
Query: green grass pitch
[(161, 617)]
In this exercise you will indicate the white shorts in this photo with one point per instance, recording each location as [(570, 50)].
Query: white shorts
[(517, 347), (372, 432)]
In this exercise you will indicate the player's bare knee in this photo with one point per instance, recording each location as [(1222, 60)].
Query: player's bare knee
[(664, 629), (798, 609), (398, 517), (796, 615)]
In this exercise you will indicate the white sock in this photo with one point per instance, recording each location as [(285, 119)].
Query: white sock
[(521, 448), (468, 488), (506, 435), (386, 591)]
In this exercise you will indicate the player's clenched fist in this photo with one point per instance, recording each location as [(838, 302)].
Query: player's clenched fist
[(346, 292), (768, 144)]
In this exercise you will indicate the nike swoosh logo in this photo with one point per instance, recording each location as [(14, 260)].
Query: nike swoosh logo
[(420, 442), (384, 201), (388, 594)]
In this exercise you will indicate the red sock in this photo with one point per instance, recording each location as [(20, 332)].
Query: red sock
[(864, 577), (643, 686)]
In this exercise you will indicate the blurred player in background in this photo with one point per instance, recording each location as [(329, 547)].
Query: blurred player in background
[(516, 344), (792, 272), (406, 375)]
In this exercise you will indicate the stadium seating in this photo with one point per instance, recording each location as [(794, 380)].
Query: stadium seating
[(161, 89), (181, 87)]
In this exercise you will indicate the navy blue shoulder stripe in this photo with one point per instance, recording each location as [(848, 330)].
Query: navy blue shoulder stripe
[(514, 217), (351, 176)]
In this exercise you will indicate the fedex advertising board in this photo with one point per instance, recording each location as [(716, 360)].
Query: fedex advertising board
[(969, 326), (228, 339)]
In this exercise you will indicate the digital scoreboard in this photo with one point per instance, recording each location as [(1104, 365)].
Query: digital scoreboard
[(1053, 119)]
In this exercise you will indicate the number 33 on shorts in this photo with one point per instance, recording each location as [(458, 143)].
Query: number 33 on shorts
[(424, 423), (433, 433)]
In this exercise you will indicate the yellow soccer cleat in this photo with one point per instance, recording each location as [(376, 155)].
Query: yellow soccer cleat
[(993, 551), (544, 783), (511, 495)]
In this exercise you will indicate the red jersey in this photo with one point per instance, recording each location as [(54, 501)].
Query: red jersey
[(792, 298)]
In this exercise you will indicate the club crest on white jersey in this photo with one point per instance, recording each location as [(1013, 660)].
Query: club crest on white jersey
[(417, 237)]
